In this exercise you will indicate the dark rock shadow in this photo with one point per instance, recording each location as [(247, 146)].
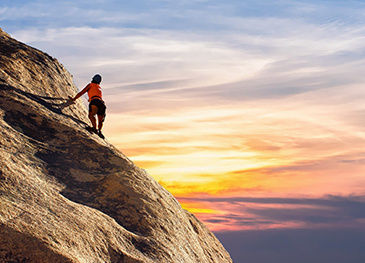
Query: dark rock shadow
[(44, 101), (67, 153), (12, 250)]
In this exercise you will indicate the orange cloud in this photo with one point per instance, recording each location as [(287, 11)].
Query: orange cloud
[(289, 146)]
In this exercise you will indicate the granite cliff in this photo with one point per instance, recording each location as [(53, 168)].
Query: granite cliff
[(69, 196)]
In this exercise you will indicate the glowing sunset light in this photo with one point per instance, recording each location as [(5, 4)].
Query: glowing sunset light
[(197, 208), (251, 113), (243, 146)]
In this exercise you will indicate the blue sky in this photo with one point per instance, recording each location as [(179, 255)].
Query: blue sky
[(234, 37), (252, 108)]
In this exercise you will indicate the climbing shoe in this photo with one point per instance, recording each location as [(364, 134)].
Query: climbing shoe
[(101, 135), (92, 130)]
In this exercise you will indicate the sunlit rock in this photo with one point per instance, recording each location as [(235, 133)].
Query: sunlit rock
[(69, 196)]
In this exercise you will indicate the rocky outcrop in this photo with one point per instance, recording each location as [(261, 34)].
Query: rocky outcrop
[(69, 196)]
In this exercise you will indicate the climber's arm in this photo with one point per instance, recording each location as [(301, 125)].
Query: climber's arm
[(81, 93)]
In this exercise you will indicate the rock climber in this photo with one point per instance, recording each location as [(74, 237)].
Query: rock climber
[(96, 105)]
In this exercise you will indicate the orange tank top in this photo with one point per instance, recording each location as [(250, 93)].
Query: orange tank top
[(94, 91)]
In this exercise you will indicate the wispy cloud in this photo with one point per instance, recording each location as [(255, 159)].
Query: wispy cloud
[(243, 47), (237, 97), (304, 141), (267, 212)]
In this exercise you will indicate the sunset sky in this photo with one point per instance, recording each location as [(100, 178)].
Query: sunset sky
[(251, 113)]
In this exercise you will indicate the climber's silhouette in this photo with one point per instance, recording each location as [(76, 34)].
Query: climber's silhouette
[(96, 106)]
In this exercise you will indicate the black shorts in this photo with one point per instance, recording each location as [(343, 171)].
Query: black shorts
[(100, 104)]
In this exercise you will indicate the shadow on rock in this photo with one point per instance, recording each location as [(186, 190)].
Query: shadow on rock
[(73, 157), (42, 100)]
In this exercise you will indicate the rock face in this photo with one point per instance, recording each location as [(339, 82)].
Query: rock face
[(69, 196)]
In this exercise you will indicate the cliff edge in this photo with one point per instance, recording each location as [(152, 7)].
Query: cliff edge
[(69, 196)]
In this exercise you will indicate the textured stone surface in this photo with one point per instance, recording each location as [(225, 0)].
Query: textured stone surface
[(69, 196)]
